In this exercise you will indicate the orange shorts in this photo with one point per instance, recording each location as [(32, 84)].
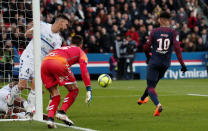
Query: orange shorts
[(54, 72)]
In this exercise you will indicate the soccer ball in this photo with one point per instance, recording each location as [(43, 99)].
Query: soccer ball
[(104, 80)]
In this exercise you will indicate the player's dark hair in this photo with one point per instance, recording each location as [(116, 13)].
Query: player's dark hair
[(61, 16), (77, 40), (165, 15)]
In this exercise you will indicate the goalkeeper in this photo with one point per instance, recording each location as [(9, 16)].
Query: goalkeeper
[(55, 69)]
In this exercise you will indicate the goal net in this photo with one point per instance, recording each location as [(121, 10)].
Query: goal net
[(16, 17)]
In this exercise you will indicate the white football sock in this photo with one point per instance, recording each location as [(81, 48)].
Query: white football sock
[(25, 104), (31, 98)]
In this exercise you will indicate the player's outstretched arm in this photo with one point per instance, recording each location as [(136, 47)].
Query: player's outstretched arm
[(86, 78)]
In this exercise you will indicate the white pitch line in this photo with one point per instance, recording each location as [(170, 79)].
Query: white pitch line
[(74, 127), (60, 124), (196, 95), (13, 120)]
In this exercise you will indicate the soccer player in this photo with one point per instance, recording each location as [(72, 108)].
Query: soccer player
[(50, 39), (55, 69), (163, 40), (20, 104)]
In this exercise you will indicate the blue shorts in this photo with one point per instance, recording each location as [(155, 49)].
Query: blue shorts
[(154, 74)]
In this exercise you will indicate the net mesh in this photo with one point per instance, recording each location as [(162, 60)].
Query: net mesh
[(15, 19)]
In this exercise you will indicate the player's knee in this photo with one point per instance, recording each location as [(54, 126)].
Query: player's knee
[(72, 87), (76, 91), (151, 90)]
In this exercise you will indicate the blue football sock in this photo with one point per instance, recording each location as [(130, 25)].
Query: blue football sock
[(153, 95)]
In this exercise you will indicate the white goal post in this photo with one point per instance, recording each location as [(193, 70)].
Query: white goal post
[(37, 59), (7, 24)]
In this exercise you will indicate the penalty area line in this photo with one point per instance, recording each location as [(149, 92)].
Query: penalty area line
[(196, 95), (74, 127)]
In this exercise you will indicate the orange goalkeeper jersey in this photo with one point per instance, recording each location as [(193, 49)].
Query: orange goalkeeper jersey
[(72, 55)]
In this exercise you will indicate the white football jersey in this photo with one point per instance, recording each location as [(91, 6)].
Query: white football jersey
[(49, 41)]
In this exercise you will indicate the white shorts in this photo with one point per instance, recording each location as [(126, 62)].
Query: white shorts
[(26, 70)]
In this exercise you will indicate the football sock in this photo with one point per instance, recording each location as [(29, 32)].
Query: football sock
[(53, 105), (153, 95), (25, 105), (145, 94), (31, 98), (69, 99)]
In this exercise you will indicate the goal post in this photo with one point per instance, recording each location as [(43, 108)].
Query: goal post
[(37, 58), (16, 17)]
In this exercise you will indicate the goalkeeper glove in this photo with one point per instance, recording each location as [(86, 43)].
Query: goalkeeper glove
[(88, 95), (183, 68)]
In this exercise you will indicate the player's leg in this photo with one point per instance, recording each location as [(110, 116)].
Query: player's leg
[(159, 108), (53, 106), (70, 83), (50, 70), (152, 80), (151, 74), (68, 101), (31, 95), (144, 99), (70, 97), (25, 71), (30, 109)]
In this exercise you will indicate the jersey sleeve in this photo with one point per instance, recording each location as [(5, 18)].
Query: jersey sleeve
[(149, 43), (177, 49), (83, 60)]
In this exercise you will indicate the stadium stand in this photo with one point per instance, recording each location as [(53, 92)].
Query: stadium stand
[(100, 21)]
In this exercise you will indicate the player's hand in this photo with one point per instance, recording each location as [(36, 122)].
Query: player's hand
[(88, 95), (183, 68)]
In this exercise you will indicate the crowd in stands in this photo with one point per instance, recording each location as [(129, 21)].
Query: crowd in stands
[(100, 21)]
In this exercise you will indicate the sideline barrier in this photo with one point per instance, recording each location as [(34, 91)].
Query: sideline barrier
[(195, 61)]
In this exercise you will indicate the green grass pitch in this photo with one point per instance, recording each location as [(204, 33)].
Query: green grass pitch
[(115, 108)]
